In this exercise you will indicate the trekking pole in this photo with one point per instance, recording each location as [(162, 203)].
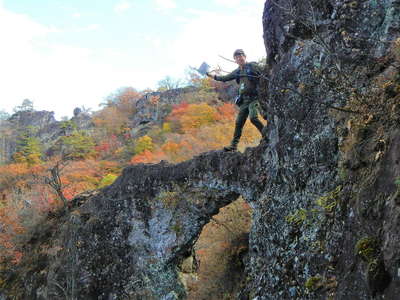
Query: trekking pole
[(232, 61)]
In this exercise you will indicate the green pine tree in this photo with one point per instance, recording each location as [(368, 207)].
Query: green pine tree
[(77, 145), (29, 149)]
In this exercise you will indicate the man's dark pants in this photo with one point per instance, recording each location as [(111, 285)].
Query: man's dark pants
[(249, 107)]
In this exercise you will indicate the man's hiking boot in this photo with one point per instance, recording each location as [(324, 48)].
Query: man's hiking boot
[(230, 148)]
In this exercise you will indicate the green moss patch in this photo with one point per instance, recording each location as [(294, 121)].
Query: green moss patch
[(314, 283), (367, 248)]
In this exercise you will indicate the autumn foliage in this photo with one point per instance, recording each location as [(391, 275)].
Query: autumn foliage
[(196, 128), (36, 182), (113, 118), (219, 251), (26, 197)]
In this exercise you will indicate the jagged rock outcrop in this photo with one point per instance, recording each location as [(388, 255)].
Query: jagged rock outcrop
[(153, 107), (323, 190), (42, 122), (38, 119), (82, 119), (146, 113)]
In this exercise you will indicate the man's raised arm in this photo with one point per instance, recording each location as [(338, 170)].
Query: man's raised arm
[(228, 77)]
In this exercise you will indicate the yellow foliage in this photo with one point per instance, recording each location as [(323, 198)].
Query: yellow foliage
[(166, 127), (198, 115), (107, 180), (30, 159), (219, 248), (143, 143)]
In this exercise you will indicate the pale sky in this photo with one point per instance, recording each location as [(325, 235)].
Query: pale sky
[(63, 54)]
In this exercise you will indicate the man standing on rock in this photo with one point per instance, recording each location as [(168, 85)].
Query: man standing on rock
[(247, 76)]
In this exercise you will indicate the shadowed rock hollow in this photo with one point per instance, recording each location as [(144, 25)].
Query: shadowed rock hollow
[(323, 190)]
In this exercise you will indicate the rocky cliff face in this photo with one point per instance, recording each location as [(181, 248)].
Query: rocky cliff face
[(42, 122), (331, 165), (151, 113), (153, 107), (323, 189)]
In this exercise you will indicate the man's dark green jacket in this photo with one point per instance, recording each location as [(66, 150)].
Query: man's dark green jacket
[(247, 78)]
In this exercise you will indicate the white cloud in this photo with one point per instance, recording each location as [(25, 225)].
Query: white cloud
[(209, 34), (122, 6), (60, 77), (23, 28), (164, 5), (228, 3), (240, 5), (180, 19), (154, 41), (56, 77), (76, 15), (91, 27)]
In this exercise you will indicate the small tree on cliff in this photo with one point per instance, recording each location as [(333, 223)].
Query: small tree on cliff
[(54, 181), (168, 83), (26, 105), (29, 149), (77, 145)]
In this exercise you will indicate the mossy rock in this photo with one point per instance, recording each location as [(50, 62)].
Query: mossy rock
[(177, 228), (169, 198), (367, 248), (314, 283), (378, 278)]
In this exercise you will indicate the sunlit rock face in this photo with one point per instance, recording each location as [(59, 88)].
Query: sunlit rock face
[(323, 188)]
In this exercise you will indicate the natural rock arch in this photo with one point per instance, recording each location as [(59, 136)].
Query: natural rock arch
[(128, 239)]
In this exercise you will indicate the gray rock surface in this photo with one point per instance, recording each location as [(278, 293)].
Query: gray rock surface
[(42, 122), (326, 206)]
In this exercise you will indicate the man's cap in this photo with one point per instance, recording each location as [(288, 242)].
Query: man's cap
[(238, 52)]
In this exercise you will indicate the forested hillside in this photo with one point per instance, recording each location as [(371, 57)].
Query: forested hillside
[(54, 161)]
